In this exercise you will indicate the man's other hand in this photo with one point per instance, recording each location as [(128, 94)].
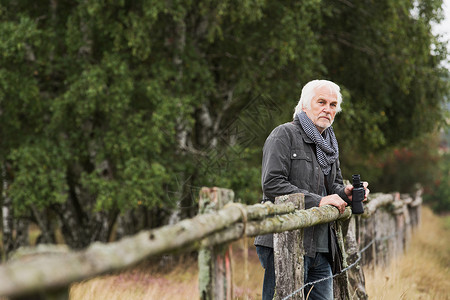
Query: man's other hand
[(349, 188), (334, 200)]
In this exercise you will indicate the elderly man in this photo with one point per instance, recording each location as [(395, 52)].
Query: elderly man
[(303, 157)]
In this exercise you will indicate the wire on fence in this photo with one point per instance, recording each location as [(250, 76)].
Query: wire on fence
[(345, 269)]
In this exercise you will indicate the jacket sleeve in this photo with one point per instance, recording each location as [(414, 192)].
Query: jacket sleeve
[(276, 165), (338, 185)]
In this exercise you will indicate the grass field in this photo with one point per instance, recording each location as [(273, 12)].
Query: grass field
[(422, 273), (175, 278)]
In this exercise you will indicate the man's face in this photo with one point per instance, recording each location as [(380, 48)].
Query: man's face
[(323, 108)]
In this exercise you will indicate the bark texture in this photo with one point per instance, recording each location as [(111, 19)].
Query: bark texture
[(356, 277), (288, 255), (7, 213), (215, 280), (341, 285)]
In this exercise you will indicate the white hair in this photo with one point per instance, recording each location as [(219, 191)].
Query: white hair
[(309, 91)]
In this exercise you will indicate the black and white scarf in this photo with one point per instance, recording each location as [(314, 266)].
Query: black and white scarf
[(326, 145)]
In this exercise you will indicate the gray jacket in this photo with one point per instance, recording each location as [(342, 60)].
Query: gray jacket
[(289, 166)]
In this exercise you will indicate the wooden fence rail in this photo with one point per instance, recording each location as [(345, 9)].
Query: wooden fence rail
[(47, 272)]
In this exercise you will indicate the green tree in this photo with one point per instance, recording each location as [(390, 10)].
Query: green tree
[(438, 193), (385, 56), (109, 107), (116, 112)]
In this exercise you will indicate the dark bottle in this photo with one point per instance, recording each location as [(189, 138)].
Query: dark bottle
[(358, 194)]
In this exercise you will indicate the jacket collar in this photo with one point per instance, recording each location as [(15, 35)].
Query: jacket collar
[(306, 139)]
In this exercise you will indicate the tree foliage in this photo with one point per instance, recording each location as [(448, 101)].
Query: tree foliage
[(124, 108), (382, 52)]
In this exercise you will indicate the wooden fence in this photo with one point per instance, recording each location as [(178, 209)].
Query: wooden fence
[(375, 237)]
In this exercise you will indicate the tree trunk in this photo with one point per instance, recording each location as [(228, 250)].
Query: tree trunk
[(43, 220), (86, 33), (22, 237), (74, 226), (124, 224), (7, 213), (101, 225)]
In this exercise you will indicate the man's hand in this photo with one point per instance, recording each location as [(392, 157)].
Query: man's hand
[(349, 188), (334, 200)]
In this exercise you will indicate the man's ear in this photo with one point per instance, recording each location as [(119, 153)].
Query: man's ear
[(304, 109)]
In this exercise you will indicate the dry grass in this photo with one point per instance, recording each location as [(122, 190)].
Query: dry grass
[(423, 272), (247, 283), (148, 281), (172, 279)]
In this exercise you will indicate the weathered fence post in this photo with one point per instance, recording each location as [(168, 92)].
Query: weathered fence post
[(415, 209), (288, 254), (357, 281), (341, 285), (407, 200), (366, 233), (215, 277), (385, 226)]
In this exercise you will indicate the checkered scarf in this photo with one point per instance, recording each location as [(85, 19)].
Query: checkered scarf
[(326, 145)]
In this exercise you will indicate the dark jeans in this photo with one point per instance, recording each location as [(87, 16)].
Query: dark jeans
[(265, 255), (315, 268)]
